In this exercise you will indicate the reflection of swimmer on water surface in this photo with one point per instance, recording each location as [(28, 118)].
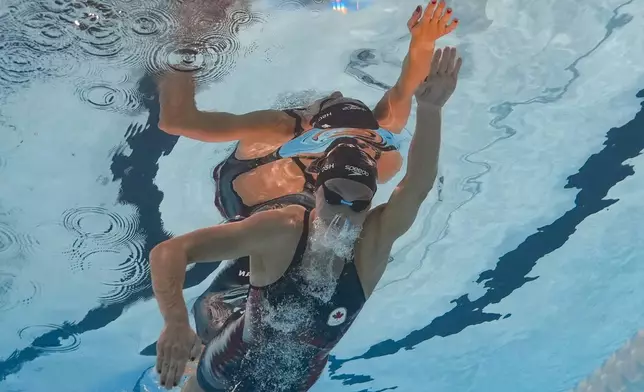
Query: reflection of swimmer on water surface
[(259, 171)]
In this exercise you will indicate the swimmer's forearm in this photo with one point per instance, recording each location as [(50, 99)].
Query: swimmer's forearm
[(422, 161), (416, 67), (168, 270), (176, 97), (394, 108), (400, 212)]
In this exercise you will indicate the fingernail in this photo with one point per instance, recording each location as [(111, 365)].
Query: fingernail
[(192, 359), (433, 1), (418, 9), (449, 10), (455, 20)]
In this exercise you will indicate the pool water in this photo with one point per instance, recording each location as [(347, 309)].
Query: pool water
[(522, 273)]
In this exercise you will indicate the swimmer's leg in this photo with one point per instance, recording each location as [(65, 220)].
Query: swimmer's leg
[(227, 293)]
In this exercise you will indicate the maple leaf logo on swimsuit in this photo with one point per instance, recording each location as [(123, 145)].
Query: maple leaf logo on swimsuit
[(337, 317)]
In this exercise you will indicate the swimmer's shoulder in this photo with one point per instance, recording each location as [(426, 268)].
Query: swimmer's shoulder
[(280, 222)]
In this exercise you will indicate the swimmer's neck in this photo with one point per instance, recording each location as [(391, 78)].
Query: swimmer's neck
[(313, 214)]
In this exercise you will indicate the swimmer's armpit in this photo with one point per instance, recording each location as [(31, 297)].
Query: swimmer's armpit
[(180, 116)]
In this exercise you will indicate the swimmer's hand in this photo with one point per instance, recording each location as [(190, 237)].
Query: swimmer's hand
[(441, 81), (426, 27), (177, 345)]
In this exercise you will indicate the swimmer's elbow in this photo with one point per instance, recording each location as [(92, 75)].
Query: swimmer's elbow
[(170, 127), (180, 124), (165, 254)]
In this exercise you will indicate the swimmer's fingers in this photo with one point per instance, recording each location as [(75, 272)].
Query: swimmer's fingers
[(435, 67), (177, 367), (434, 12), (457, 67), (447, 61), (415, 17), (159, 365), (196, 350), (451, 26), (166, 364)]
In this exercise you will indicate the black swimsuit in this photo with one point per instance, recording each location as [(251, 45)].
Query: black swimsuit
[(219, 309), (229, 289), (228, 201), (270, 348)]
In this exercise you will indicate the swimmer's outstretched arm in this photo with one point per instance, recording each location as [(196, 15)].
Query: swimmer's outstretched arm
[(254, 235), (392, 111), (399, 213), (180, 116)]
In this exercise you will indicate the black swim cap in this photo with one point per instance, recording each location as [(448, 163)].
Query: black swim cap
[(344, 113), (350, 162)]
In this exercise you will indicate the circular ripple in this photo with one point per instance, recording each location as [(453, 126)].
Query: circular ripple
[(84, 258), (211, 57), (9, 242), (14, 294), (223, 43), (100, 225), (186, 59), (243, 18), (50, 34), (105, 97), (18, 62), (123, 269), (59, 6), (58, 337), (59, 64), (23, 60), (290, 5), (20, 11), (149, 22), (134, 271), (98, 29)]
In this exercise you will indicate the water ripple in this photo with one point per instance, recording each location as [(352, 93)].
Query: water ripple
[(58, 6), (14, 293), (133, 271), (9, 242), (122, 268), (36, 333), (100, 225), (211, 55), (98, 28), (149, 21), (243, 18), (104, 97), (49, 34), (18, 62), (290, 5)]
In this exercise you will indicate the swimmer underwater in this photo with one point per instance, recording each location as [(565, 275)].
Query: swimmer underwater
[(311, 269)]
